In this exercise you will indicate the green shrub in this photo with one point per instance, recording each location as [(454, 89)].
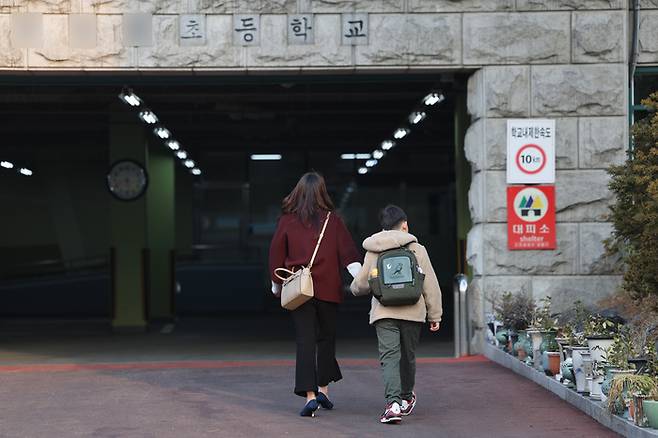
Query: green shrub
[(635, 211)]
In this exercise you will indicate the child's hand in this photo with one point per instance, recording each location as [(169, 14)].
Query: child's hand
[(434, 326), (276, 290)]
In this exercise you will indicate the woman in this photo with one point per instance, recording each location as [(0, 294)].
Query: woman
[(304, 211)]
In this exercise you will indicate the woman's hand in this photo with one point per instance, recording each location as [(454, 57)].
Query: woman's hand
[(434, 326)]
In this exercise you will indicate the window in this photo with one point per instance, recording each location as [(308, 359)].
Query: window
[(645, 83)]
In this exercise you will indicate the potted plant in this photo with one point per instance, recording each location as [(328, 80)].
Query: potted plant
[(636, 404), (598, 376), (502, 337), (600, 333), (650, 409), (546, 324), (618, 353), (523, 347), (636, 409), (579, 352), (616, 361), (514, 311), (564, 338), (571, 339), (502, 311), (640, 328), (622, 389), (650, 403), (536, 340)]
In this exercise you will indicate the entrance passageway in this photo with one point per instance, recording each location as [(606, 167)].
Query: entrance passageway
[(195, 246)]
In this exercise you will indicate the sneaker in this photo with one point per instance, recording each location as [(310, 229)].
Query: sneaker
[(408, 405), (391, 414)]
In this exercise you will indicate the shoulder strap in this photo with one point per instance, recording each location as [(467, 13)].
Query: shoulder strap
[(315, 252)]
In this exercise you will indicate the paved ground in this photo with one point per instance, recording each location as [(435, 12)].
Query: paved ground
[(253, 399), (233, 378)]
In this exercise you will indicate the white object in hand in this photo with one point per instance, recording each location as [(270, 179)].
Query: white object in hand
[(354, 268)]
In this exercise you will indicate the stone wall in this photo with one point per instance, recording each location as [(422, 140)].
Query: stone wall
[(562, 59), (585, 89), (448, 34)]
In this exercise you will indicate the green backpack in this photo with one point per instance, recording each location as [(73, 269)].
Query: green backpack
[(398, 280)]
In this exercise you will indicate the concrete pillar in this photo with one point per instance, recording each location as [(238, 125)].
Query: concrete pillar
[(462, 183), (128, 229), (160, 222)]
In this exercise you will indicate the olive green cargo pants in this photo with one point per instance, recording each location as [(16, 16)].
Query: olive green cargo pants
[(398, 340)]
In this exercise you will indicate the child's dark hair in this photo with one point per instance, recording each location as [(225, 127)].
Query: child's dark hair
[(391, 217)]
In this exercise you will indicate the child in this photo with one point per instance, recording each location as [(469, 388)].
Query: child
[(398, 327)]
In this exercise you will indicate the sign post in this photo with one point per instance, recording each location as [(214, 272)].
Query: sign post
[(530, 151)]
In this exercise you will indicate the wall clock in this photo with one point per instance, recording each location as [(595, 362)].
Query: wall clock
[(127, 180)]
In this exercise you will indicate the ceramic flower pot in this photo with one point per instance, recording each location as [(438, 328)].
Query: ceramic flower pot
[(621, 408), (553, 363), (595, 392), (523, 347), (578, 371), (566, 370), (650, 409), (618, 372), (607, 381), (513, 337), (535, 338), (636, 410), (587, 369), (501, 337), (599, 347)]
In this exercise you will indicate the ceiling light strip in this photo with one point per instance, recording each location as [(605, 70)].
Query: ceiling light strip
[(147, 116)]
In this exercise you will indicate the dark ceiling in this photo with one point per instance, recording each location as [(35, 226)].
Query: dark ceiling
[(55, 117)]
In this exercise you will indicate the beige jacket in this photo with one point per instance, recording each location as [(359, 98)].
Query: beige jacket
[(428, 308)]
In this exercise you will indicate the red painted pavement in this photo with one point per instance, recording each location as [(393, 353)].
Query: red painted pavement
[(213, 364)]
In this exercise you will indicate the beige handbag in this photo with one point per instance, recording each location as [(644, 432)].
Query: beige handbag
[(298, 286)]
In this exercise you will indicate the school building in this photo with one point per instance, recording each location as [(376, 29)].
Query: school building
[(146, 145)]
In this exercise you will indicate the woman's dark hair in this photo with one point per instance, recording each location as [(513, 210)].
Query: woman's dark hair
[(391, 217), (308, 198)]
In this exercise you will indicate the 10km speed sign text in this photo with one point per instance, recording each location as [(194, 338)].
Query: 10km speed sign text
[(530, 151)]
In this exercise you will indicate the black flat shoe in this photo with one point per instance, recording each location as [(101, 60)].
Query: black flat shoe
[(310, 408), (324, 401)]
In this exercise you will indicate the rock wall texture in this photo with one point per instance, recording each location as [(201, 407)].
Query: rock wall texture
[(584, 88), (435, 33), (561, 59), (588, 102)]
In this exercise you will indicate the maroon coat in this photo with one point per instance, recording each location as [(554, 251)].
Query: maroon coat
[(293, 244)]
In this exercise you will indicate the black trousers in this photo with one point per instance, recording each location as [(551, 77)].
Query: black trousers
[(315, 333)]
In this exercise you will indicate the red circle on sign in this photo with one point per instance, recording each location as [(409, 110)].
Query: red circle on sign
[(543, 159)]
